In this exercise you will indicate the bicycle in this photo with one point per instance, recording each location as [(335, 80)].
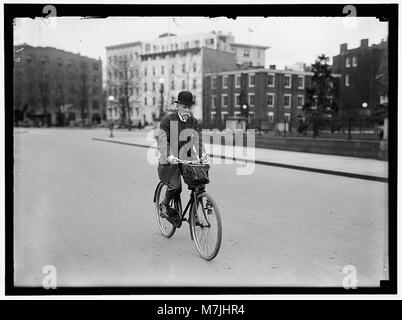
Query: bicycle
[(204, 218)]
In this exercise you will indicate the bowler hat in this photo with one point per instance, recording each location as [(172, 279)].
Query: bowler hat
[(185, 97)]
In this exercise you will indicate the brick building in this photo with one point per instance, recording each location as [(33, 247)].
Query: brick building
[(56, 87), (274, 97), (360, 69)]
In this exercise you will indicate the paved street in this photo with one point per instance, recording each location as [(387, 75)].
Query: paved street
[(86, 207)]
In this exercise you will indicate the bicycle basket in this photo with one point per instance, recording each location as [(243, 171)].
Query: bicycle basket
[(195, 174)]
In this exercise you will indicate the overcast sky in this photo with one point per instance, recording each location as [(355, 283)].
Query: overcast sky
[(290, 39)]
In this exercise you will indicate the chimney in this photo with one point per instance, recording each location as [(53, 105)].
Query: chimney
[(344, 47), (364, 43), (272, 67)]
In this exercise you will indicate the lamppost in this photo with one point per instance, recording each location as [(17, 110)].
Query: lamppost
[(364, 106), (111, 124), (161, 90), (245, 113)]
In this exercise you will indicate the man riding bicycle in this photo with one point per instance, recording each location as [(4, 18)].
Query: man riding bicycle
[(179, 137)]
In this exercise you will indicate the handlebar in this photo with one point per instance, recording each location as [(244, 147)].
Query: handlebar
[(189, 162)]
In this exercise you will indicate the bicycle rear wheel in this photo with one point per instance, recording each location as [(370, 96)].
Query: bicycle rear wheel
[(206, 226), (165, 227)]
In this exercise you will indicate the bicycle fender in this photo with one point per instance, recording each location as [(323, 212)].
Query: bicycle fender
[(156, 190)]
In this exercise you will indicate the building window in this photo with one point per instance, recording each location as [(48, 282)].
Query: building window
[(95, 104), (172, 85), (347, 62), (145, 71), (271, 80), (95, 90), (224, 82), (347, 80), (213, 115), (246, 54), (287, 100), (194, 99), (300, 102), (95, 66), (153, 101), (270, 116), (224, 115), (171, 100), (237, 80), (287, 117), (183, 84), (145, 86), (153, 70), (213, 101), (183, 68), (213, 83), (194, 83), (354, 61), (196, 43), (300, 82), (237, 100), (153, 86), (251, 80), (224, 100), (162, 70), (288, 81), (251, 99), (145, 101), (237, 114), (195, 66), (270, 100), (172, 69)]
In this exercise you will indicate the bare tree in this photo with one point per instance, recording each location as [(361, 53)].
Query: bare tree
[(125, 79)]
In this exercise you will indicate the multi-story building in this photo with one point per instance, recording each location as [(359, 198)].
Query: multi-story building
[(361, 89), (171, 64), (272, 97), (56, 87), (164, 66), (249, 55), (123, 82)]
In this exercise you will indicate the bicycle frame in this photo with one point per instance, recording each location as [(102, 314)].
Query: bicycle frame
[(189, 207)]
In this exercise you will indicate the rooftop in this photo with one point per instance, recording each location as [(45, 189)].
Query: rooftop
[(25, 45), (249, 46), (124, 45)]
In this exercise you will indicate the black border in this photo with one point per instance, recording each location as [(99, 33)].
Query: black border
[(385, 12)]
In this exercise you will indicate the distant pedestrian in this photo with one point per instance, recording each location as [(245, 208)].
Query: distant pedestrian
[(111, 126)]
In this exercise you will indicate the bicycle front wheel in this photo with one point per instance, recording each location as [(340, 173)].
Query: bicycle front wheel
[(165, 227), (206, 226)]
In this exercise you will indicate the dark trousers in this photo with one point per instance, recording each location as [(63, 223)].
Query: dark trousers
[(170, 176)]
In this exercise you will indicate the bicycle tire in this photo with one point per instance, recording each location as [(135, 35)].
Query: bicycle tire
[(165, 227), (201, 225)]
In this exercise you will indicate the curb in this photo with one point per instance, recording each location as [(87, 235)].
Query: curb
[(274, 164)]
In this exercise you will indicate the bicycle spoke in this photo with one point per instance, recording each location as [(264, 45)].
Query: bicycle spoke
[(207, 233)]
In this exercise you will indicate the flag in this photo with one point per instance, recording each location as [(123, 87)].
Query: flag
[(250, 30), (174, 21)]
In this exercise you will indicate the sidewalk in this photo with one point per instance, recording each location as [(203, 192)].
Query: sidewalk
[(361, 168)]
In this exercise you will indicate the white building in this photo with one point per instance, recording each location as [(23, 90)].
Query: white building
[(162, 67), (122, 81), (171, 64), (249, 55)]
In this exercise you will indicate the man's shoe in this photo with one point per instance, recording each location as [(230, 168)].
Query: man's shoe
[(170, 215), (164, 210)]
